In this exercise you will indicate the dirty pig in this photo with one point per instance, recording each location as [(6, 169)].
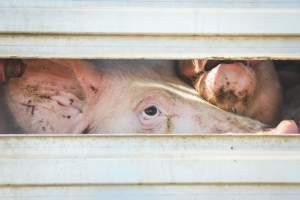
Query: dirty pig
[(250, 88), (113, 97)]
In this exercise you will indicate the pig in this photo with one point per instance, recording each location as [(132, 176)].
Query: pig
[(116, 96), (291, 108), (289, 75), (249, 88), (10, 68)]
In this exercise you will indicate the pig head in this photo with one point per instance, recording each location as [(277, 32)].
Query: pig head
[(110, 96), (249, 88)]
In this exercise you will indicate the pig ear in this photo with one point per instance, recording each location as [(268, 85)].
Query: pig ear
[(89, 78), (199, 65), (188, 69)]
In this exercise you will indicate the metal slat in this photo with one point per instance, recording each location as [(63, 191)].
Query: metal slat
[(175, 47), (53, 160), (149, 167), (150, 29), (151, 17), (149, 192)]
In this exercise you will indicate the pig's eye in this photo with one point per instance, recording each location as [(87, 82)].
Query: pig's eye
[(151, 112)]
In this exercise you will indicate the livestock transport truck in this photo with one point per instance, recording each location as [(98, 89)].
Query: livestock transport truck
[(149, 166)]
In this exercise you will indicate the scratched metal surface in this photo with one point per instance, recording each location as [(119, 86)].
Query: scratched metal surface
[(151, 17), (150, 29), (149, 166)]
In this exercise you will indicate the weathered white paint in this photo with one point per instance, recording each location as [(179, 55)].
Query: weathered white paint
[(149, 166), (150, 192), (150, 29), (169, 47), (151, 17)]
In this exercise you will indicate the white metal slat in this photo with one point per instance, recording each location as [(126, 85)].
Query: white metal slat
[(150, 192), (150, 29), (65, 46), (148, 160), (151, 17), (118, 21), (161, 167)]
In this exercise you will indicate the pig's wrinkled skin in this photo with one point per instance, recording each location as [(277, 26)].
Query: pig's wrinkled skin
[(75, 96), (251, 89)]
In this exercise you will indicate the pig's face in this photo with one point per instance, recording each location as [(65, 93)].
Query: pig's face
[(147, 97), (117, 97)]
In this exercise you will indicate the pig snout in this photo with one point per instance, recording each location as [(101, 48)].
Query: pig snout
[(249, 88), (228, 85), (286, 127)]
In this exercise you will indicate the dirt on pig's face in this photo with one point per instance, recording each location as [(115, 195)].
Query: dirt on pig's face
[(114, 97)]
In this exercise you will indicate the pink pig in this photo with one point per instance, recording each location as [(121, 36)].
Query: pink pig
[(249, 88), (110, 96)]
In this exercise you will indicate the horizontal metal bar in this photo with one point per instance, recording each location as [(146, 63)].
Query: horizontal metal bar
[(102, 160), (159, 192), (170, 47), (89, 4), (219, 17)]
